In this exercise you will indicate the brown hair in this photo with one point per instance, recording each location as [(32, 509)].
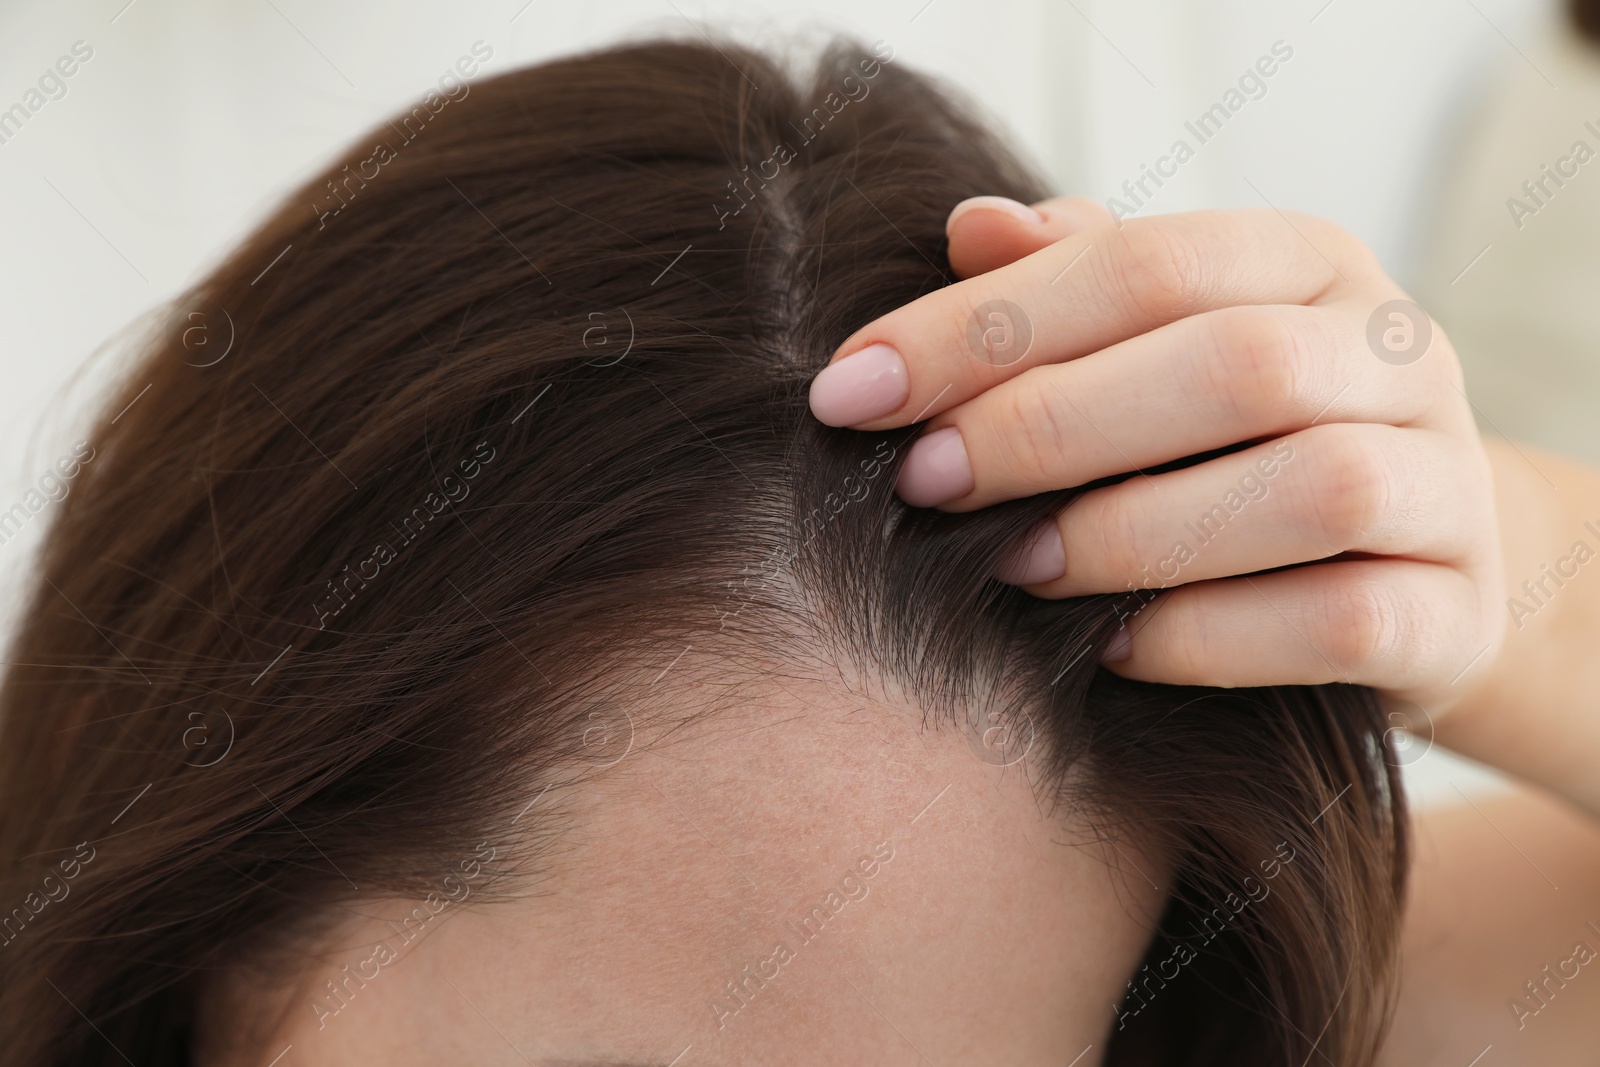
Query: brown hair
[(1585, 18), (529, 407)]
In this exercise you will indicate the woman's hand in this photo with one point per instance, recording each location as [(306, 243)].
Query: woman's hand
[(1078, 349)]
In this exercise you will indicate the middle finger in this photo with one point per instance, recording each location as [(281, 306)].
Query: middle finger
[(1202, 383)]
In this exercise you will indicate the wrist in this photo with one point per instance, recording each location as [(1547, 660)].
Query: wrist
[(1528, 714)]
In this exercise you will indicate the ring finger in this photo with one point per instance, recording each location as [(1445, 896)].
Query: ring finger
[(1341, 487), (1364, 622)]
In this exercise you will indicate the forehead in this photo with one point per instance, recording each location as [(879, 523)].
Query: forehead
[(815, 877)]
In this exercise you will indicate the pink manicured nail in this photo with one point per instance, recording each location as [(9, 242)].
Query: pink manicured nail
[(995, 203), (936, 470), (860, 387), (1120, 648), (1039, 559)]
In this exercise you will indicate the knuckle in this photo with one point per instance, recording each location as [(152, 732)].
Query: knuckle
[(1363, 621), (1033, 434), (1318, 227), (1260, 366), (1184, 640), (1351, 485), (1116, 553), (1444, 364), (1327, 235), (1160, 271), (1338, 245)]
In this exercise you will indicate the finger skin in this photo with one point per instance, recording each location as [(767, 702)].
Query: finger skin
[(1233, 376), (1100, 287), (1336, 488), (1400, 625)]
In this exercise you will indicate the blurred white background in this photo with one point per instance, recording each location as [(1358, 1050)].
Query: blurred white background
[(191, 119)]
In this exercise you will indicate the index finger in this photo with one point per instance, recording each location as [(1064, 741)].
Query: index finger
[(1077, 296)]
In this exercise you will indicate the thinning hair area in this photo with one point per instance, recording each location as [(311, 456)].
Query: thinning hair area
[(499, 434)]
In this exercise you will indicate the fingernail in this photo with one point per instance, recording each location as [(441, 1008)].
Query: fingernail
[(936, 470), (1120, 648), (860, 387), (1039, 559), (994, 203)]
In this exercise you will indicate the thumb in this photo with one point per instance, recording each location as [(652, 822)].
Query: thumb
[(987, 232)]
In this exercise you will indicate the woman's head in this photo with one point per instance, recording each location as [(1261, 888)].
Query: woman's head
[(490, 656)]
